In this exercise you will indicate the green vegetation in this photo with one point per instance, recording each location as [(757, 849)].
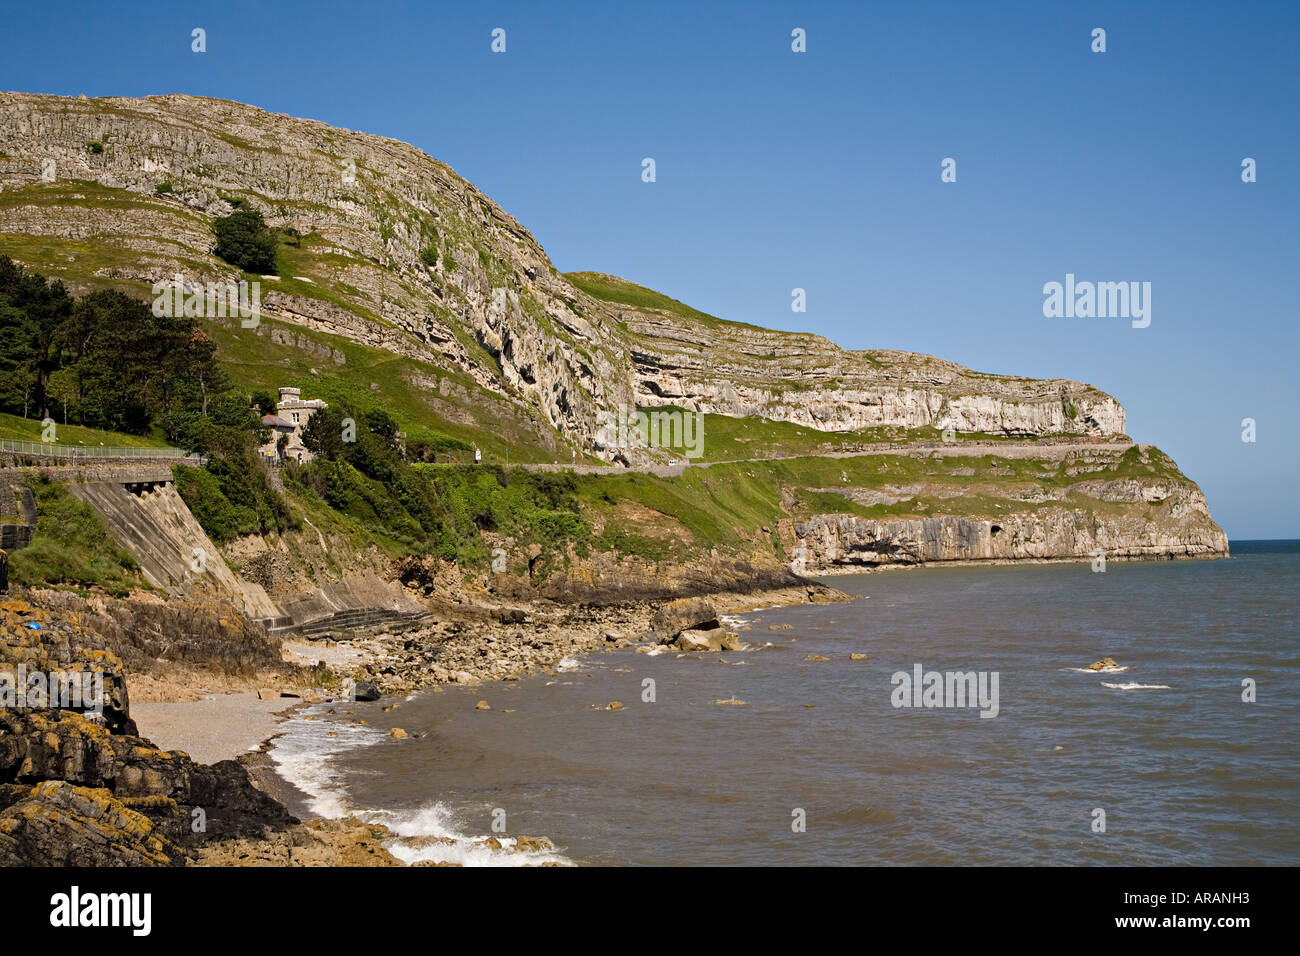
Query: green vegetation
[(71, 545), (434, 402), (619, 291), (429, 256), (232, 494), (231, 497), (108, 363), (163, 189), (362, 473), (722, 506), (104, 361), (440, 414), (244, 240)]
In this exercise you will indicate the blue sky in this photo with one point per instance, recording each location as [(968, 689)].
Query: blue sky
[(821, 170)]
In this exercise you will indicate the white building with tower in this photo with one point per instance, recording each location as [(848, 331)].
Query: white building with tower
[(291, 416)]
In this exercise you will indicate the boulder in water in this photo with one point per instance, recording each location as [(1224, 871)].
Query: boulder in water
[(693, 641), (684, 614)]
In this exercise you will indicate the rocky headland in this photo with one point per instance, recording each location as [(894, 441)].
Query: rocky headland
[(402, 288)]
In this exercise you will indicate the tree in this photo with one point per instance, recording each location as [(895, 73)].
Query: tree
[(18, 376), (265, 403), (32, 312), (323, 434), (63, 387), (244, 240)]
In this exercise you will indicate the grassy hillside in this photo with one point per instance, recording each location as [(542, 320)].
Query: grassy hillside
[(441, 404), (29, 429), (618, 291), (725, 506), (437, 404)]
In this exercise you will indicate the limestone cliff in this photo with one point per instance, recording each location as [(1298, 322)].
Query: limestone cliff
[(397, 251), (684, 357), (1131, 504)]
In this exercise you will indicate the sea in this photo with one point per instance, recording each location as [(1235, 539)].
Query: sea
[(1187, 751)]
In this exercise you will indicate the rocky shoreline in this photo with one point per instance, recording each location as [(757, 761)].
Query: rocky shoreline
[(86, 788), (519, 641)]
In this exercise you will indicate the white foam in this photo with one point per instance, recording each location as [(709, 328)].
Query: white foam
[(568, 664), (303, 755), (1136, 686), (435, 820)]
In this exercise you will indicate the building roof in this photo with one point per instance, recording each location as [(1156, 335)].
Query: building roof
[(275, 421)]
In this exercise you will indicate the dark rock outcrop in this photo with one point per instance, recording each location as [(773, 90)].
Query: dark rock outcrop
[(36, 641), (78, 785), (59, 824), (183, 804)]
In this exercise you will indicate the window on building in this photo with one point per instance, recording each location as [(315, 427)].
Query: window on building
[(295, 418)]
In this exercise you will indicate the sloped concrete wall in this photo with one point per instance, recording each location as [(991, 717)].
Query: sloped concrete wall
[(173, 550)]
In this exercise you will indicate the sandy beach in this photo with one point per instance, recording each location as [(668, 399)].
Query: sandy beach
[(219, 727)]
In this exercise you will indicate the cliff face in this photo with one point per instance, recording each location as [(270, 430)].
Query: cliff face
[(491, 307), (737, 370), (838, 541), (398, 252), (1120, 505)]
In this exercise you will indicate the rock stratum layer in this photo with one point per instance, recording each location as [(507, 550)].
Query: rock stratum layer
[(1088, 502)]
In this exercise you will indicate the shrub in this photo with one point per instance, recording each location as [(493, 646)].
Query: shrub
[(429, 256), (222, 520), (71, 545), (244, 240)]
